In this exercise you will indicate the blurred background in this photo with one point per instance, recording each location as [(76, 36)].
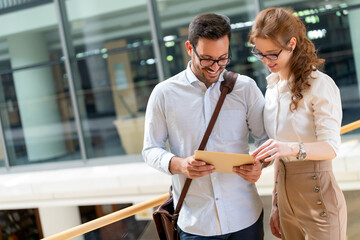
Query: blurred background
[(75, 79)]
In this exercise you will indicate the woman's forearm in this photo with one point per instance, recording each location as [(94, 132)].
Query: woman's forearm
[(319, 151), (273, 149)]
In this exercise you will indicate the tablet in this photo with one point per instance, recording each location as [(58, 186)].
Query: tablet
[(223, 162)]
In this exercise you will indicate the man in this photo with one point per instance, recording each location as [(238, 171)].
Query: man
[(179, 110)]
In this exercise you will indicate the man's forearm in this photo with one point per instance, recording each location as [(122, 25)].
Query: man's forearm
[(158, 158)]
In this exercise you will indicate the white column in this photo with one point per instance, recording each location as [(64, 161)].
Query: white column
[(57, 219), (354, 20), (36, 95)]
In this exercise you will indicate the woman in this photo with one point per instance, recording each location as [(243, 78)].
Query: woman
[(302, 117)]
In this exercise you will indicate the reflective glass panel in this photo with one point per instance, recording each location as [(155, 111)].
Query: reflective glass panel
[(114, 72), (37, 116), (322, 5), (2, 157), (36, 111), (25, 38), (175, 17)]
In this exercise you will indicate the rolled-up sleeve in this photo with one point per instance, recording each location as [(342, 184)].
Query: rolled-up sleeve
[(326, 103), (155, 133)]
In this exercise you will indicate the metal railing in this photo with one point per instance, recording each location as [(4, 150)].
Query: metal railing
[(108, 219), (132, 210)]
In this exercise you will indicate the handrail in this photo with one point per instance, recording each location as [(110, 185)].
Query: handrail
[(108, 219), (132, 210), (349, 127)]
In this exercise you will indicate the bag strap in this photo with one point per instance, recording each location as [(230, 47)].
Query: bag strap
[(226, 87)]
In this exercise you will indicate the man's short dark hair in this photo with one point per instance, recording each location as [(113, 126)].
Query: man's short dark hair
[(210, 26)]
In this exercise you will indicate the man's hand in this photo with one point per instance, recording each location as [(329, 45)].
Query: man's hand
[(190, 167), (250, 172)]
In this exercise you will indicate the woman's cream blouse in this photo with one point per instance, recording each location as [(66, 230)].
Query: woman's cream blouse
[(318, 117)]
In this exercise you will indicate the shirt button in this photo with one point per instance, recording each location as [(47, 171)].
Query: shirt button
[(216, 199), (316, 189), (318, 202), (323, 214), (314, 177)]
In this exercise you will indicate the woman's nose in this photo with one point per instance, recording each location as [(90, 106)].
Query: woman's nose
[(265, 61)]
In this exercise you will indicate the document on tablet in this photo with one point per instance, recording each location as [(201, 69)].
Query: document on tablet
[(223, 162)]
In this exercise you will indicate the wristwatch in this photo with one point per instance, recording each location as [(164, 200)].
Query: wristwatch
[(302, 152)]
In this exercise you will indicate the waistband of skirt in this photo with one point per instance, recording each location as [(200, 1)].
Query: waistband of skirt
[(310, 166)]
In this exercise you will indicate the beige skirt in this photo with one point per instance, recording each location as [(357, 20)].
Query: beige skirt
[(311, 204)]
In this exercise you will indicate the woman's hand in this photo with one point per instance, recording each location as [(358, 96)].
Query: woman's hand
[(272, 149), (275, 222)]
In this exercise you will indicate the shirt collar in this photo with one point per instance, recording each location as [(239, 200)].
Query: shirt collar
[(191, 78), (274, 78)]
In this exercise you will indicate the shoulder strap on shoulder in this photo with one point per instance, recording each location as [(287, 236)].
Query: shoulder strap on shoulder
[(229, 81)]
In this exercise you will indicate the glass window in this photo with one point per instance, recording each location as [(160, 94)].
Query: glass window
[(114, 72), (175, 17), (37, 116), (2, 157), (20, 224), (35, 105), (321, 6)]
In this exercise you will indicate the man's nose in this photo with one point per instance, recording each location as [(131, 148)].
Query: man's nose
[(215, 66)]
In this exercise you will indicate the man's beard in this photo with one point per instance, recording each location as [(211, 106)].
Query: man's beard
[(202, 76)]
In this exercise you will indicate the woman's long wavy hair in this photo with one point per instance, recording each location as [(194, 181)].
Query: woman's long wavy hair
[(280, 25)]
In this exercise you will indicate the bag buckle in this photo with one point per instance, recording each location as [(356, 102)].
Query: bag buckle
[(174, 220)]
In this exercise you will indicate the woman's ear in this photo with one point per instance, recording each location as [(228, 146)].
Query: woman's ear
[(188, 47), (292, 43)]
